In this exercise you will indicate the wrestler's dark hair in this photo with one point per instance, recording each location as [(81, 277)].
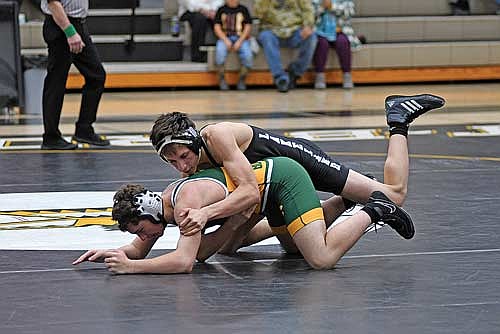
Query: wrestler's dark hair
[(124, 209), (168, 125)]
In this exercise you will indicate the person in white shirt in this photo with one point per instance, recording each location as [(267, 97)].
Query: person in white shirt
[(200, 14)]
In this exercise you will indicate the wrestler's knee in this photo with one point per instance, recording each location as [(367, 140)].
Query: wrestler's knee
[(321, 262), (398, 195)]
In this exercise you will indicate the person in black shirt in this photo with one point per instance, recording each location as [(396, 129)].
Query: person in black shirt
[(233, 24)]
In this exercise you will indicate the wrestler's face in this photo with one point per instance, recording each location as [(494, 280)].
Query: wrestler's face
[(182, 158), (145, 229)]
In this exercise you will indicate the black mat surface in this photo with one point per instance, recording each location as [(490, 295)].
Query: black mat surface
[(445, 280)]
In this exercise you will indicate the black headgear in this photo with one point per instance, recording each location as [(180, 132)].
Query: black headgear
[(190, 137), (150, 205)]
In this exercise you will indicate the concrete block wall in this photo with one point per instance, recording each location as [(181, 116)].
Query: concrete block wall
[(428, 28)]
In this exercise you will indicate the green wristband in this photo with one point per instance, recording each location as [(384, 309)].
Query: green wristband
[(70, 31)]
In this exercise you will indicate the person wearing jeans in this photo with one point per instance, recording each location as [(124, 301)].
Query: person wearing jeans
[(286, 23), (233, 24), (246, 59)]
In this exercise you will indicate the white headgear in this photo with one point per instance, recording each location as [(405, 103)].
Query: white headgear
[(150, 205)]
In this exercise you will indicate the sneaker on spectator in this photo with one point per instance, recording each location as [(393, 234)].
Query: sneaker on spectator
[(292, 82), (241, 84), (319, 82), (282, 83), (223, 84), (347, 80)]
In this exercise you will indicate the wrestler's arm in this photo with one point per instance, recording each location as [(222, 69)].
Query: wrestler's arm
[(224, 146), (212, 242), (242, 200), (130, 259), (180, 260)]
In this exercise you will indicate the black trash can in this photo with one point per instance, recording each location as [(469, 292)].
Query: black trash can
[(34, 72)]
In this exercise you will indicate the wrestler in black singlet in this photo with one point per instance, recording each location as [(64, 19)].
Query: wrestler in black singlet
[(327, 174)]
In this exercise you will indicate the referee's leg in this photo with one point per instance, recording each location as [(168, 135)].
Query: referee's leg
[(54, 87), (90, 66)]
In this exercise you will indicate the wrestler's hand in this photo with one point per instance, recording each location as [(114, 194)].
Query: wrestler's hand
[(118, 262), (75, 43), (93, 255), (194, 221)]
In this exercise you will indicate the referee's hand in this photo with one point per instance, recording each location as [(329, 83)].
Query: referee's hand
[(75, 43)]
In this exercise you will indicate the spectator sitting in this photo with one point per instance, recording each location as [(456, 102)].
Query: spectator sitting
[(334, 30), (233, 24), (286, 23), (200, 14)]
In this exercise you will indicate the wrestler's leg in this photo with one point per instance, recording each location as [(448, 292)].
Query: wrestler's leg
[(400, 111), (396, 172), (321, 249)]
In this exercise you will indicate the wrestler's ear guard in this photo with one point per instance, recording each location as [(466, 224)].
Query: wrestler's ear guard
[(150, 206)]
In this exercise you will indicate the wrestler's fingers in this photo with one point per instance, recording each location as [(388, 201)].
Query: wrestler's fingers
[(191, 232), (185, 222), (184, 212), (94, 257), (84, 257), (109, 253), (110, 260)]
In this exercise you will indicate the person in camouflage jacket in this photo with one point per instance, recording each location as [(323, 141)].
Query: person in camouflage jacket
[(286, 23)]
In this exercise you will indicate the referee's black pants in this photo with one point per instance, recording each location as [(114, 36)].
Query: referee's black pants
[(59, 62)]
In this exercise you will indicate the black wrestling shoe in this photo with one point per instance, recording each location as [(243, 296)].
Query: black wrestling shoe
[(391, 214), (93, 139), (58, 144), (404, 109)]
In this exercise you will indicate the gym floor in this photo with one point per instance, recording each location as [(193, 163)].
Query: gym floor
[(55, 205)]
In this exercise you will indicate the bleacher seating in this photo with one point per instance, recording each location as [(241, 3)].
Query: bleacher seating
[(408, 41)]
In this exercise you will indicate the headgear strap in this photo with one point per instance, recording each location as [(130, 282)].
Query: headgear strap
[(189, 137)]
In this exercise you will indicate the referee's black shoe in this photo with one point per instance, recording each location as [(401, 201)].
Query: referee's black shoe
[(58, 144), (92, 139), (391, 214), (404, 109)]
